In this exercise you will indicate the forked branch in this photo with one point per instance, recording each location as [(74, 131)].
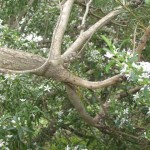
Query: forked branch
[(56, 43), (81, 40)]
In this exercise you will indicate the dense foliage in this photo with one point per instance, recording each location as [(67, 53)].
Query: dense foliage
[(36, 112)]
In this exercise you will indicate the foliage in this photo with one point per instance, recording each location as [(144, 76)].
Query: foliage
[(29, 104)]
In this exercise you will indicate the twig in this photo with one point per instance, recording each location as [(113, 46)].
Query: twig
[(85, 15)]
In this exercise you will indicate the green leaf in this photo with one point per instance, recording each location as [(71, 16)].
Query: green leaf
[(20, 134), (108, 42), (147, 2)]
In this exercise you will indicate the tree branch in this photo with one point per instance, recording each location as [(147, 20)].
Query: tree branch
[(130, 91), (81, 40), (58, 34), (85, 15), (143, 42), (75, 100), (18, 60), (60, 29), (70, 78)]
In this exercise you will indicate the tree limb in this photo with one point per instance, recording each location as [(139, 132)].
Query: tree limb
[(61, 26), (58, 34), (76, 101), (143, 42), (130, 91), (18, 60), (81, 40), (70, 78)]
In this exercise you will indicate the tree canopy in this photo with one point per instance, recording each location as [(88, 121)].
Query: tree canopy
[(74, 74)]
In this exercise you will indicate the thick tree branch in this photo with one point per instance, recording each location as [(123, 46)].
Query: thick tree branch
[(18, 60), (81, 40), (70, 78), (58, 34), (76, 101), (60, 29)]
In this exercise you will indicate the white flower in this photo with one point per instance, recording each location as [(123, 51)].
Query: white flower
[(136, 96), (67, 148), (144, 75), (44, 50), (129, 53), (148, 111), (9, 136), (109, 55), (47, 88), (145, 66), (136, 66), (124, 68), (60, 113), (125, 111), (94, 54), (22, 20), (41, 87), (37, 38), (145, 135), (123, 120), (33, 37), (2, 98), (13, 121), (2, 143), (34, 143), (18, 118), (60, 120), (10, 76), (116, 111), (76, 147), (1, 21), (22, 99)]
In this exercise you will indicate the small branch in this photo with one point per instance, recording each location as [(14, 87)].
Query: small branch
[(99, 10), (76, 132), (131, 91), (134, 38), (46, 133), (24, 11), (85, 15), (120, 96), (142, 43)]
